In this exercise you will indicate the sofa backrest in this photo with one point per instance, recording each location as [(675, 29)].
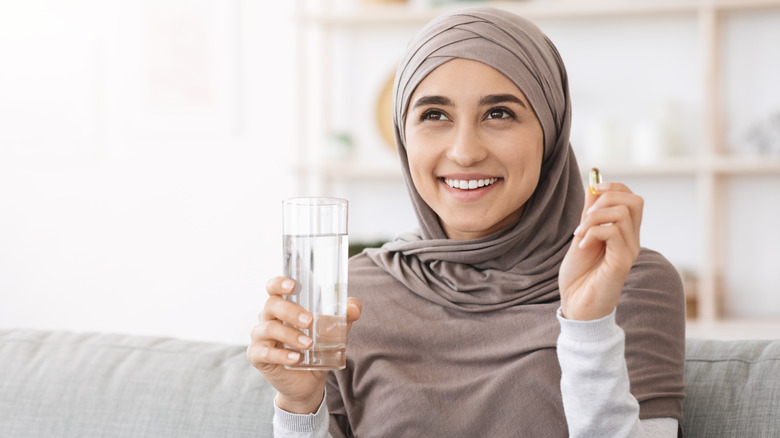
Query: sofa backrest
[(58, 384), (732, 389)]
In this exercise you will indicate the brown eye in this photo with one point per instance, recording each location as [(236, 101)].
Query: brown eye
[(499, 113), (433, 115)]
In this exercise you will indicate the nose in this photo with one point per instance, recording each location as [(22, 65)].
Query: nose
[(467, 148)]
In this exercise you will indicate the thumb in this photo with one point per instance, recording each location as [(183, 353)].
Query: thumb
[(354, 309)]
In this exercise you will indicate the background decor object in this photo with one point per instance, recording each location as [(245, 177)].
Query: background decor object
[(384, 112), (763, 137), (339, 146)]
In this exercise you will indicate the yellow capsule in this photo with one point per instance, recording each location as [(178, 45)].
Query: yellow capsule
[(594, 178)]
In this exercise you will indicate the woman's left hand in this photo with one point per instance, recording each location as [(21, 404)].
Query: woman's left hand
[(602, 252)]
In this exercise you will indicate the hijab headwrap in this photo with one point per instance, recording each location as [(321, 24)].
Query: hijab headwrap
[(519, 264), (458, 338)]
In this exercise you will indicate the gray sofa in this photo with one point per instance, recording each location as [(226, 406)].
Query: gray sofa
[(61, 384)]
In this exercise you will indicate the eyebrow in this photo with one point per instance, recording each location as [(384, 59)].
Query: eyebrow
[(494, 99), (491, 99), (432, 100)]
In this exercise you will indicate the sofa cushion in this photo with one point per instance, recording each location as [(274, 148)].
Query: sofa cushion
[(732, 389), (60, 384)]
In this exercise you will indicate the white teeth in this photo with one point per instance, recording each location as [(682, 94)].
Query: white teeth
[(469, 184)]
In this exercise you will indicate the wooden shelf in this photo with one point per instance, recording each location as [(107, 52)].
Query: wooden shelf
[(746, 165), (395, 14), (402, 14), (734, 329), (709, 169), (667, 167), (744, 4), (352, 169)]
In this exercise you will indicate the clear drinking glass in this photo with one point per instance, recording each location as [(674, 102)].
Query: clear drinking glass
[(315, 256)]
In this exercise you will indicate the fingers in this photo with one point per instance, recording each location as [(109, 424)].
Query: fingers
[(610, 194), (283, 310), (267, 341), (276, 307), (280, 333), (271, 334), (280, 286), (280, 325), (614, 215)]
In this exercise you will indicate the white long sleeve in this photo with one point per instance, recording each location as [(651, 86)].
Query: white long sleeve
[(594, 383), (288, 425)]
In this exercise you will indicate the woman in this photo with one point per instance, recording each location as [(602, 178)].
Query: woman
[(523, 306)]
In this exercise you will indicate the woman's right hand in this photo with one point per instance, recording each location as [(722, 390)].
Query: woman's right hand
[(299, 391)]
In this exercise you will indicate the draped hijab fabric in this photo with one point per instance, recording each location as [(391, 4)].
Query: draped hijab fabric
[(458, 338), (520, 264)]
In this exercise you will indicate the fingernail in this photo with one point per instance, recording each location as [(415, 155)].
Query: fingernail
[(294, 355), (578, 230), (304, 340), (304, 318), (591, 209), (288, 284)]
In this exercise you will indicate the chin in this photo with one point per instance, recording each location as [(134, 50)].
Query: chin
[(468, 231)]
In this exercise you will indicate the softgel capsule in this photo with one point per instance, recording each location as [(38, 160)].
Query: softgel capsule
[(593, 179)]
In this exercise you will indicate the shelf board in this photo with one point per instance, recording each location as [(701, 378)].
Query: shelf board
[(669, 167), (395, 14), (724, 165), (746, 165), (401, 14), (733, 329), (721, 165), (352, 169), (744, 4)]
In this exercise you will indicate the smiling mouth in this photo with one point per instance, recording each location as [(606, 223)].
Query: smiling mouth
[(469, 184)]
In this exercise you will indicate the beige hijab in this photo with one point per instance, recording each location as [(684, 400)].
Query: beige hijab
[(458, 338), (519, 264)]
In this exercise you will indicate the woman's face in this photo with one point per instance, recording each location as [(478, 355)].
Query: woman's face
[(474, 146)]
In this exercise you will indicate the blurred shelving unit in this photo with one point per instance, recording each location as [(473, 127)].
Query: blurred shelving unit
[(710, 165)]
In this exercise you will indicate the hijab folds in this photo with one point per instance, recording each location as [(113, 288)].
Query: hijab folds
[(520, 264), (458, 338)]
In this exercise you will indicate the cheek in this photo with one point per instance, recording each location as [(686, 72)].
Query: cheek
[(415, 159), (419, 166), (419, 152), (532, 152)]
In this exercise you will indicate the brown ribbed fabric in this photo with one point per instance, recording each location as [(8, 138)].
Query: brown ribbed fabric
[(457, 338)]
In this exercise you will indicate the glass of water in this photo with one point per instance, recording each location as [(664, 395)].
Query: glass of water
[(315, 256)]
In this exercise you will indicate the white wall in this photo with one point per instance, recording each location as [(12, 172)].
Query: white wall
[(145, 148), (143, 160)]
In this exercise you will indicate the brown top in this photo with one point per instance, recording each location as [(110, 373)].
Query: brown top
[(457, 338)]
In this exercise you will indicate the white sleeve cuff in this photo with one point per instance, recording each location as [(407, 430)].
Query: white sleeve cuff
[(597, 330), (289, 425)]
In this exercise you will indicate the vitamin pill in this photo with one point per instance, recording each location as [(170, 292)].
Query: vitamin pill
[(594, 178)]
